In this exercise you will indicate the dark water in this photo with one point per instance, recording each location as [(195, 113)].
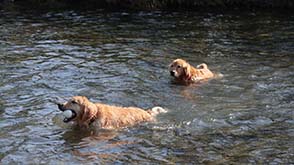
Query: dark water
[(121, 58)]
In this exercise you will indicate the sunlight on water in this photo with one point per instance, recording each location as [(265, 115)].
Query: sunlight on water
[(121, 58)]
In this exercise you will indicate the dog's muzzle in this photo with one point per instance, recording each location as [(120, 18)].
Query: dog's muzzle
[(66, 120), (172, 73), (60, 107)]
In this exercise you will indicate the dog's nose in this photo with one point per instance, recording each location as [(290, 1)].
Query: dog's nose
[(60, 106), (172, 73)]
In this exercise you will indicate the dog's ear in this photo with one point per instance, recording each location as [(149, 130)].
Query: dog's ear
[(84, 100), (88, 112), (187, 70)]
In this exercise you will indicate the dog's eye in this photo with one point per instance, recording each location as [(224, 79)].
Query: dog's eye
[(74, 102), (179, 66), (172, 66)]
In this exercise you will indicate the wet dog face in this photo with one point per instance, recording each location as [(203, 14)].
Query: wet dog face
[(75, 105), (179, 68)]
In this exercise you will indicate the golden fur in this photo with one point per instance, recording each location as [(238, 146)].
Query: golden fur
[(106, 116), (184, 72)]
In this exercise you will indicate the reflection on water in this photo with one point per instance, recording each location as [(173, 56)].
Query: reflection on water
[(121, 58)]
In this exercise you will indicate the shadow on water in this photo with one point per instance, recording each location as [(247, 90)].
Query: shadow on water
[(121, 58)]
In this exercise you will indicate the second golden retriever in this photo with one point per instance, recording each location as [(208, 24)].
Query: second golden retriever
[(184, 72), (86, 113)]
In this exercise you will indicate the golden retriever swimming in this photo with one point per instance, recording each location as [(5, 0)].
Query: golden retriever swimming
[(86, 113), (182, 71)]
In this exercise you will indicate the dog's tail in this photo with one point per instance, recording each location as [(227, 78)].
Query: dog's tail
[(218, 75), (157, 110)]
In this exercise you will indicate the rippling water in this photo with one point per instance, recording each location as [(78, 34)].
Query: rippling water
[(121, 58)]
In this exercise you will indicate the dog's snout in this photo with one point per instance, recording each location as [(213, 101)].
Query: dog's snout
[(172, 73), (60, 106)]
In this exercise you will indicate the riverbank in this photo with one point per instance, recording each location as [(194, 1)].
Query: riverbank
[(153, 4)]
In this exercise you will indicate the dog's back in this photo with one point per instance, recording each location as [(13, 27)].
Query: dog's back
[(115, 117)]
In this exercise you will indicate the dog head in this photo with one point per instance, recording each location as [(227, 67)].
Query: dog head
[(180, 69), (83, 110)]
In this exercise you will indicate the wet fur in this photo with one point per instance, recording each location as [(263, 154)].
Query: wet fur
[(107, 116), (184, 72)]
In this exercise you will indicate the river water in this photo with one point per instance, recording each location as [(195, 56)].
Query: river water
[(121, 58)]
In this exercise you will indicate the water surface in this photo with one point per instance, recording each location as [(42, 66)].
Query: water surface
[(121, 58)]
